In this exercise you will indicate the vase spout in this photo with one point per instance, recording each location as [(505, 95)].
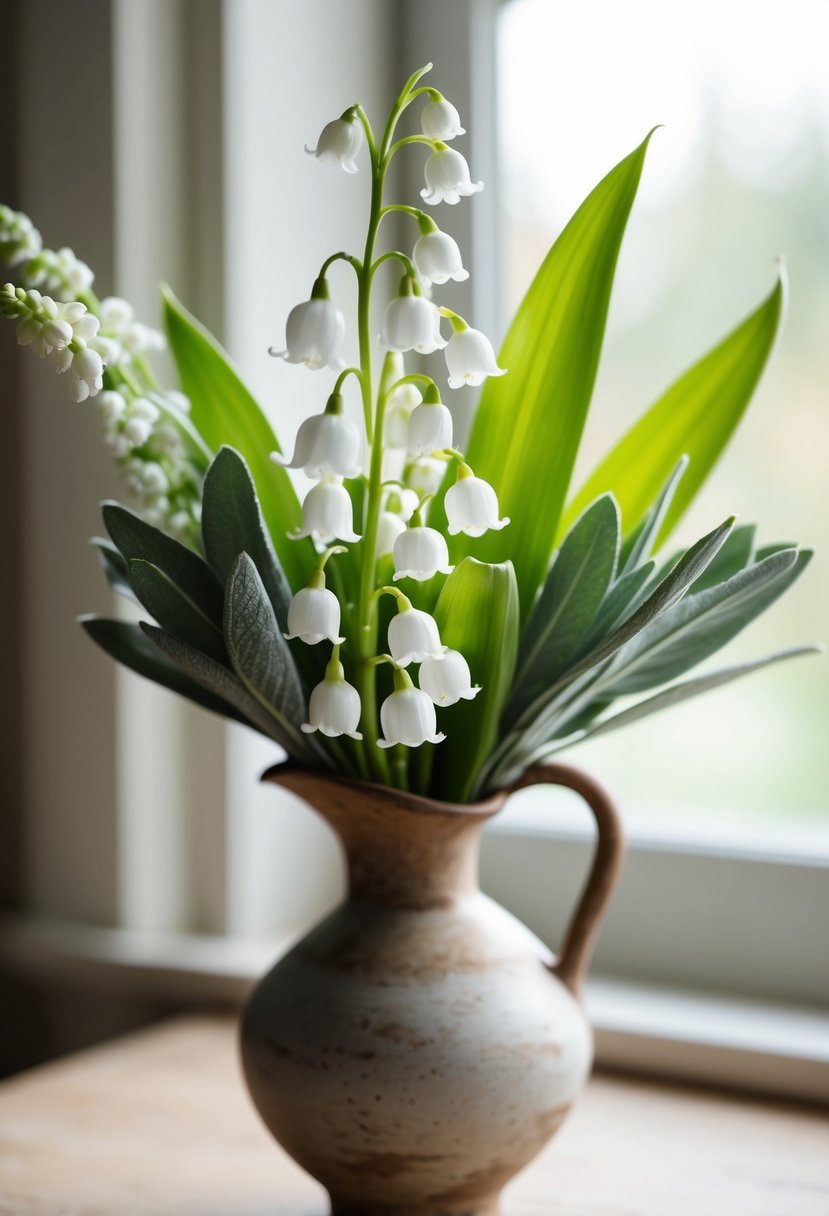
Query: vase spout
[(402, 850)]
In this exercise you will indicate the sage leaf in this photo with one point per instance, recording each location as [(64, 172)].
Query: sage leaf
[(174, 610), (114, 567)]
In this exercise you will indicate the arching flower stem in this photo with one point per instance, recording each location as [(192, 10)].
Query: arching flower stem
[(341, 379), (404, 260), (422, 381), (404, 143), (341, 257)]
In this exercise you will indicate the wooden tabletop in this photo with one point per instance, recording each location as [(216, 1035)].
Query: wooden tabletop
[(159, 1124)]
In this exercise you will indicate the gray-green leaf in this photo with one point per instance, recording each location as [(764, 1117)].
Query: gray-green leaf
[(174, 610)]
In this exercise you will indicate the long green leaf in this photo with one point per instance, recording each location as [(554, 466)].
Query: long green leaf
[(570, 598), (735, 555), (217, 680), (260, 655), (126, 642), (174, 610), (640, 542), (619, 601), (232, 524), (225, 412), (135, 538), (696, 416), (114, 566), (477, 614), (529, 423), (702, 624), (678, 693)]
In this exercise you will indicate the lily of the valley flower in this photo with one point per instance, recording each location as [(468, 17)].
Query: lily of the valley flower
[(402, 400), (447, 177), (447, 680), (314, 332), (420, 553), (327, 513), (314, 613), (472, 505), (389, 527), (339, 142), (430, 428), (326, 443), (408, 715), (411, 322), (334, 706), (413, 634), (470, 358), (440, 120), (437, 258)]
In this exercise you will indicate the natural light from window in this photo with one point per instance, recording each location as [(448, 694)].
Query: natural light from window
[(739, 175)]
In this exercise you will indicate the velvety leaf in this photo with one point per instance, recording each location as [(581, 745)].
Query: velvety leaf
[(575, 587), (477, 614), (135, 538), (696, 416), (260, 654), (232, 523), (225, 412), (639, 545), (173, 610), (125, 642), (529, 423), (114, 567), (213, 678), (735, 555), (618, 602)]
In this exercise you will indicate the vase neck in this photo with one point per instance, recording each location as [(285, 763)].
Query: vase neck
[(402, 850)]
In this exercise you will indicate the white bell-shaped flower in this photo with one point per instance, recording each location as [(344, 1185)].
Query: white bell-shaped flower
[(87, 374), (420, 553), (314, 332), (430, 429), (339, 143), (408, 715), (413, 635), (470, 358), (472, 505), (412, 322), (437, 258), (334, 706), (327, 513), (325, 443), (424, 475), (399, 406), (447, 680), (447, 177), (440, 120), (389, 527), (314, 614)]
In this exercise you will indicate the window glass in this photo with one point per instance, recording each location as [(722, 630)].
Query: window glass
[(739, 175)]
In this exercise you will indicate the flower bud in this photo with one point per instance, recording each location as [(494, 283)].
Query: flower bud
[(389, 527), (447, 680), (447, 177), (400, 404), (440, 120)]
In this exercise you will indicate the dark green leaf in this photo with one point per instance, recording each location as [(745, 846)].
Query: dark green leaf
[(620, 599), (735, 555), (114, 567), (173, 610)]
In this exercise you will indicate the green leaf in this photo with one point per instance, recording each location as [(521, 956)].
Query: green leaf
[(260, 654), (232, 524), (114, 567), (576, 585), (477, 614), (696, 416), (620, 598), (135, 538), (702, 624), (213, 678), (529, 423), (174, 610), (735, 555), (225, 412), (640, 542), (125, 642), (681, 692)]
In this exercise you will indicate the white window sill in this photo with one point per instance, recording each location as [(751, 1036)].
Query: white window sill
[(646, 1028)]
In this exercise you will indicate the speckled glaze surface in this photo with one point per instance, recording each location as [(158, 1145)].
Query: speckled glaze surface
[(420, 1046)]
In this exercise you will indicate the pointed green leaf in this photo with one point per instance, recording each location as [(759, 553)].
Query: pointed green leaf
[(125, 642), (225, 412), (175, 611), (114, 567), (576, 585), (214, 679), (260, 654), (232, 524), (697, 415), (620, 600), (477, 614), (135, 538), (529, 423), (639, 545), (735, 555)]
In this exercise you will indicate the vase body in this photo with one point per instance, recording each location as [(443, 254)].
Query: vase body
[(416, 1048)]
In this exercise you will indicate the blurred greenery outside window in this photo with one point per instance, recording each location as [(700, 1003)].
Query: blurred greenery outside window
[(739, 175)]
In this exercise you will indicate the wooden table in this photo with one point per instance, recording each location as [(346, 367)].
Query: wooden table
[(159, 1124)]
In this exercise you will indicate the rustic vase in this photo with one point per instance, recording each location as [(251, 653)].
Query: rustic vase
[(420, 1045)]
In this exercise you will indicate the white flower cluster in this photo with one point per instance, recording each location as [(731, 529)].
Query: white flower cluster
[(66, 332), (19, 239), (414, 432)]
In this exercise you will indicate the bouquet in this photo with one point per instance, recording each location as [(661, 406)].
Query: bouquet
[(430, 618)]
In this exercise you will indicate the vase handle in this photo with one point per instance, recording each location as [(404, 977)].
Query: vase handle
[(571, 965)]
